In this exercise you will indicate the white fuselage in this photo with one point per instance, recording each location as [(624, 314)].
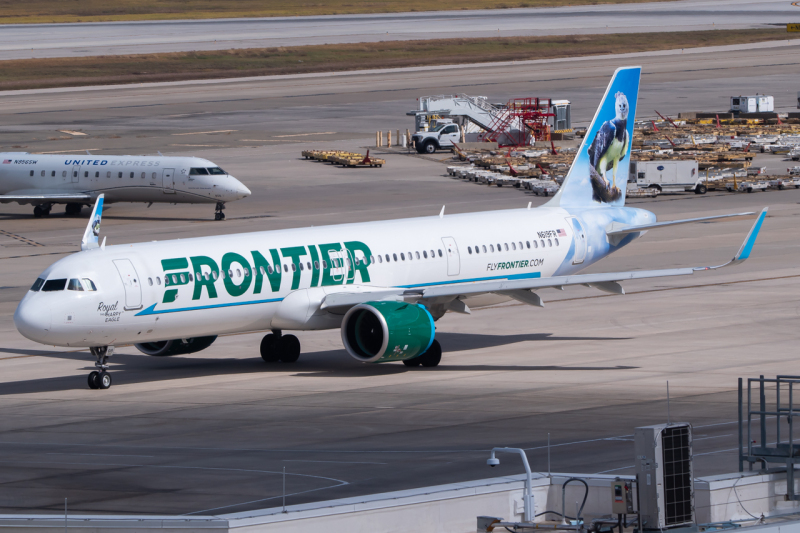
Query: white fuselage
[(120, 178), (278, 279)]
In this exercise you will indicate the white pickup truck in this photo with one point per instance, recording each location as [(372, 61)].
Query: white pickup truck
[(443, 135)]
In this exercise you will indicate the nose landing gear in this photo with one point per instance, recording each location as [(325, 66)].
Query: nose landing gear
[(101, 379), (218, 214)]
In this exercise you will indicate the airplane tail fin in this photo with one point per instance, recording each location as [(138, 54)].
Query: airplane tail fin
[(90, 236), (599, 174)]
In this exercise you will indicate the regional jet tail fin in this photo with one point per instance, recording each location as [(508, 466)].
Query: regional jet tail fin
[(92, 233), (521, 289), (599, 173)]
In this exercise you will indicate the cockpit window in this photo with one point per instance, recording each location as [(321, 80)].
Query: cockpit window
[(198, 172), (216, 171), (52, 285), (74, 285), (37, 284), (89, 284)]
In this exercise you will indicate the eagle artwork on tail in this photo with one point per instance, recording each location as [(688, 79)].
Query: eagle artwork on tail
[(608, 147)]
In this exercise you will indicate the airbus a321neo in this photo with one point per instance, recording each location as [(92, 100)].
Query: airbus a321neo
[(77, 180), (383, 284)]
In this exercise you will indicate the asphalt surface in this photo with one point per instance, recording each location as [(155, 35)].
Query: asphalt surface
[(210, 433), (111, 38)]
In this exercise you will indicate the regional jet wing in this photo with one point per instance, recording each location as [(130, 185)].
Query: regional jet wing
[(520, 289), (45, 198)]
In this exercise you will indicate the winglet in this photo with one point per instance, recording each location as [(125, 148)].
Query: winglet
[(90, 236), (747, 245)]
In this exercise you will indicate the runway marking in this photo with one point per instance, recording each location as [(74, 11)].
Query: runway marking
[(337, 462), (102, 454), (614, 469), (203, 145), (204, 132), (19, 238), (67, 151), (306, 134), (71, 132)]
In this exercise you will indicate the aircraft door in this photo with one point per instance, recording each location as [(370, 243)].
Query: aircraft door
[(168, 181), (453, 259), (580, 241), (76, 172), (338, 266), (130, 280)]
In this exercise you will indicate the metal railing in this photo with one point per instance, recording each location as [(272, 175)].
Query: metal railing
[(783, 450)]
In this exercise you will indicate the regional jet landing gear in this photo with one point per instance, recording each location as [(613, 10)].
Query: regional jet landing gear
[(42, 210), (219, 215), (73, 210), (276, 347), (429, 359), (101, 379)]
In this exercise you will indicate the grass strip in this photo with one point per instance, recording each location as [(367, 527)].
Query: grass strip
[(106, 70), (44, 11)]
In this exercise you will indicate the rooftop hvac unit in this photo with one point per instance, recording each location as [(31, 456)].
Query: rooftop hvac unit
[(664, 475)]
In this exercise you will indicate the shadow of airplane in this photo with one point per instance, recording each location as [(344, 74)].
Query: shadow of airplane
[(128, 366)]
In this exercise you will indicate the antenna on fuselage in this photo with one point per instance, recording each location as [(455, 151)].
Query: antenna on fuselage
[(159, 153), (441, 213)]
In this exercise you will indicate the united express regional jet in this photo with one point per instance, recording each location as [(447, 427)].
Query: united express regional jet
[(384, 284), (77, 180)]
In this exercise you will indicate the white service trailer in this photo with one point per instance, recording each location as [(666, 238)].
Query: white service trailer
[(760, 103), (667, 176)]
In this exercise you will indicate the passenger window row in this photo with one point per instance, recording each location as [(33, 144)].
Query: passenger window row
[(411, 256), (97, 174), (504, 247)]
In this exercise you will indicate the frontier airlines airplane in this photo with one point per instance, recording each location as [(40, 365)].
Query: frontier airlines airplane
[(384, 284), (77, 180)]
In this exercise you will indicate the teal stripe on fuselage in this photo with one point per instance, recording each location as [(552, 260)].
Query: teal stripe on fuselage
[(531, 275), (152, 309)]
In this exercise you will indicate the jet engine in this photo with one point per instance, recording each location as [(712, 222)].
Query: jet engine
[(176, 347), (377, 332)]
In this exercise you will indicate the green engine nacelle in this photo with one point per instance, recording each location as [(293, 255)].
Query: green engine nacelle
[(377, 332)]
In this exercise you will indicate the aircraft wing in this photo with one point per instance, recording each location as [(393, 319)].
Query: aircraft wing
[(45, 197), (520, 289)]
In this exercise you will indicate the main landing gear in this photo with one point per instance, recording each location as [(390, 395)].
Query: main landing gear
[(73, 210), (218, 214), (101, 379), (429, 359), (276, 347), (42, 210)]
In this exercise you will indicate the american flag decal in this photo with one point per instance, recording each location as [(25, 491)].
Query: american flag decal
[(562, 233), (6, 161)]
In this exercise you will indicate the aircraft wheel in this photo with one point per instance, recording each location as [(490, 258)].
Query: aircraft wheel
[(269, 350), (38, 212), (93, 379), (104, 380), (433, 356), (289, 348), (412, 362)]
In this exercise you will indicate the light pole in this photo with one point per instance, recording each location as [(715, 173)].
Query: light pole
[(528, 495)]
